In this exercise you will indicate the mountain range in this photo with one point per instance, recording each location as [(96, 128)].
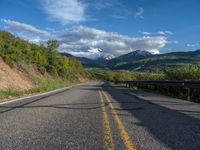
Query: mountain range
[(142, 60)]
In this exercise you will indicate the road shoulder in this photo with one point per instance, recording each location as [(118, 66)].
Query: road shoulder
[(189, 108), (6, 101)]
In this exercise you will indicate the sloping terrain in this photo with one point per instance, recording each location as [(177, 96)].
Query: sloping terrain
[(128, 58), (162, 61), (144, 61), (12, 78), (27, 68), (111, 63)]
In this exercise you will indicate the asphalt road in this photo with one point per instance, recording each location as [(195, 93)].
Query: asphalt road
[(95, 116)]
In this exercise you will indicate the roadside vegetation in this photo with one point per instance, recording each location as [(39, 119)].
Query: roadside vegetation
[(46, 68), (17, 52), (186, 72), (43, 85)]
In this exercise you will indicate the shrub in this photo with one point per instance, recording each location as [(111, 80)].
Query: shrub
[(17, 51)]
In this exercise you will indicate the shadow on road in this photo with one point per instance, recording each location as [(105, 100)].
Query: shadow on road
[(174, 129), (75, 106), (20, 104)]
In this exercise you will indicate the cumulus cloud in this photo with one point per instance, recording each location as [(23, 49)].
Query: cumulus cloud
[(80, 40), (64, 11), (139, 13)]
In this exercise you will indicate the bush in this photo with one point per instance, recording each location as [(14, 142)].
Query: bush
[(118, 75), (187, 72), (42, 70), (16, 51), (149, 76)]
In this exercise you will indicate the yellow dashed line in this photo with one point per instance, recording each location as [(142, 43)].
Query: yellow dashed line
[(124, 135), (106, 126)]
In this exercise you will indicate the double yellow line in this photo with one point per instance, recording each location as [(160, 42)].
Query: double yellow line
[(106, 125)]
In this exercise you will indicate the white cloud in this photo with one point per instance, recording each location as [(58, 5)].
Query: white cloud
[(161, 32), (173, 42), (164, 32), (168, 32), (80, 40), (193, 45), (64, 11), (26, 31), (90, 53), (116, 8), (18, 26), (139, 13), (101, 5), (145, 33)]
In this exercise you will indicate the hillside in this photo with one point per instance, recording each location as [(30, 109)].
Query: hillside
[(26, 67), (127, 58), (162, 61), (141, 60), (13, 78)]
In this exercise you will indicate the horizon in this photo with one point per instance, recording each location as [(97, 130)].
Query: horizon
[(105, 28)]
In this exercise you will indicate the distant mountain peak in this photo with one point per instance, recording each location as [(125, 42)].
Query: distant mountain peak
[(108, 57), (141, 52), (135, 54)]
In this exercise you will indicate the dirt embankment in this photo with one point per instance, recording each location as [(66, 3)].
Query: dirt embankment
[(13, 79)]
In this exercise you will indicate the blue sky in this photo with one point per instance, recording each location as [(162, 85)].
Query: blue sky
[(106, 27)]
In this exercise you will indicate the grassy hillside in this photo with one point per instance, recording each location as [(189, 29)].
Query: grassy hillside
[(44, 66)]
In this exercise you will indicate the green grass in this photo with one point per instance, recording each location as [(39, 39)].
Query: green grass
[(49, 84), (44, 85), (10, 93)]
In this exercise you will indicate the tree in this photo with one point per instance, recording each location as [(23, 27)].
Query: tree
[(52, 44), (16, 51)]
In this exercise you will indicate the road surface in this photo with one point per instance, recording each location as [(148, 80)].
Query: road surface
[(96, 116)]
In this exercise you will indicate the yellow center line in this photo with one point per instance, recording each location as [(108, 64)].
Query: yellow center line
[(124, 135), (106, 126)]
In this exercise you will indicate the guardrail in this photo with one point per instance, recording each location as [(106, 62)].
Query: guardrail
[(186, 84)]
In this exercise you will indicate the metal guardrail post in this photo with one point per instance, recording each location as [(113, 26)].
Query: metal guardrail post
[(189, 94)]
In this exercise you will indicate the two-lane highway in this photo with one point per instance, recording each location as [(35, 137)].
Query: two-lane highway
[(95, 116)]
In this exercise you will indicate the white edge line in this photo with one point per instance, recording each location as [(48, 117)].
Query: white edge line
[(40, 94)]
